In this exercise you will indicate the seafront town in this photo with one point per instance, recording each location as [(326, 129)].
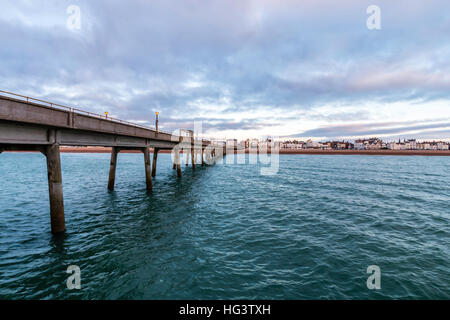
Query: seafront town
[(367, 144), (356, 145)]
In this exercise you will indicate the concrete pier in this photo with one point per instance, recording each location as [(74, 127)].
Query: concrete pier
[(28, 124), (148, 173), (155, 158), (112, 168), (55, 189)]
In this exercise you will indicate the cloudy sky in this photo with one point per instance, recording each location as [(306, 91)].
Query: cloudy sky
[(307, 69)]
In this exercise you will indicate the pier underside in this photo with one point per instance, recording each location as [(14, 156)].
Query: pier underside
[(27, 126)]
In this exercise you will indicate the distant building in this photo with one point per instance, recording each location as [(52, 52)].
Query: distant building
[(410, 144), (359, 145), (292, 145), (442, 145), (394, 146), (313, 145), (339, 145), (435, 145), (368, 144)]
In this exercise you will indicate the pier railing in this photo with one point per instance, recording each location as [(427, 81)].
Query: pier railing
[(76, 110)]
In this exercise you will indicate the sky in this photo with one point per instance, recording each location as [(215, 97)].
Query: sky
[(306, 69)]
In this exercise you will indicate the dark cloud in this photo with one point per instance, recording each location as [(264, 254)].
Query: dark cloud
[(373, 129)]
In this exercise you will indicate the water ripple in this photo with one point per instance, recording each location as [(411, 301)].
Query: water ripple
[(222, 232)]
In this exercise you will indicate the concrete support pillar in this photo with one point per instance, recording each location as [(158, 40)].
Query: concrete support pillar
[(187, 157), (177, 162), (55, 189), (112, 168), (179, 170), (203, 160), (148, 172), (155, 158), (193, 156)]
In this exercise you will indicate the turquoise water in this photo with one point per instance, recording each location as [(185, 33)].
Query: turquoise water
[(225, 231)]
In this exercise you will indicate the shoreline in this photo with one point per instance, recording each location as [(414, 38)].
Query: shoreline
[(289, 152), (292, 152), (371, 152)]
